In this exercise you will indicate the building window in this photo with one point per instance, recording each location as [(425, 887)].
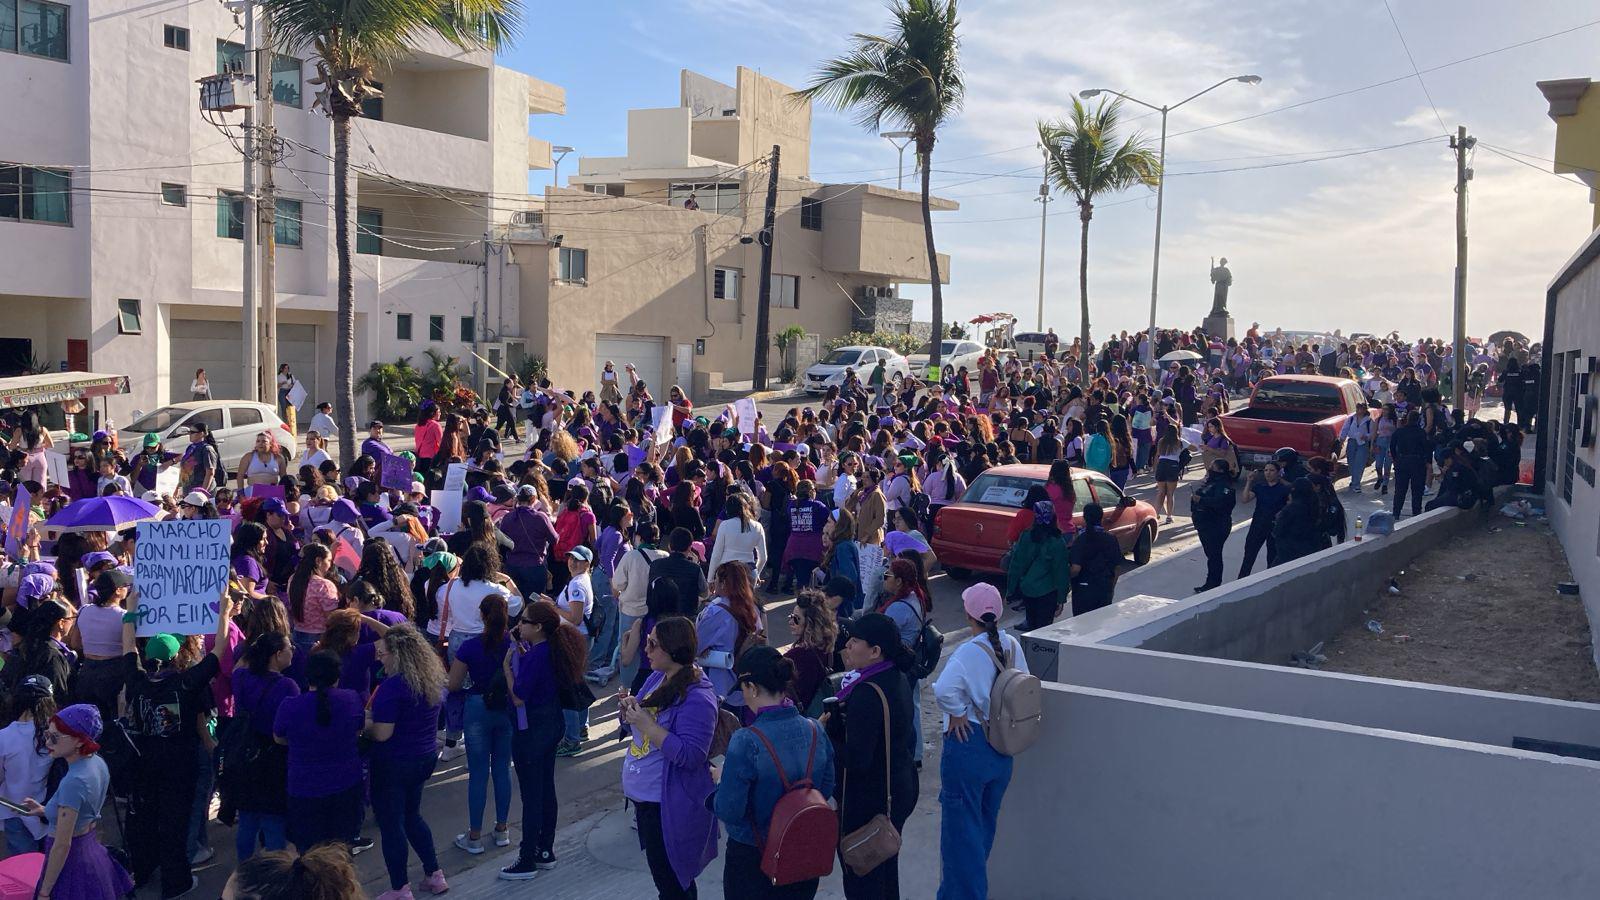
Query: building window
[(811, 213), (130, 317), (372, 107), (35, 28), (285, 71), (175, 37), (436, 328), (786, 292), (174, 194), (469, 333), (30, 194), (402, 326), (715, 197), (574, 265), (230, 215), (369, 231), (725, 283), (286, 222)]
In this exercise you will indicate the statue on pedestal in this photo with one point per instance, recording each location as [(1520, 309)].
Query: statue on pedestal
[(1222, 279)]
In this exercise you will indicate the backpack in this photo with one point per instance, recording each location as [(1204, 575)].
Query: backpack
[(926, 648), (803, 834), (920, 503), (1015, 707)]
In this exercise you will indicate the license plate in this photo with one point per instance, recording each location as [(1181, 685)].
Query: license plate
[(1257, 458)]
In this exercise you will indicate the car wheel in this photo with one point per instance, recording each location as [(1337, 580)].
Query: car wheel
[(1142, 547), (958, 572)]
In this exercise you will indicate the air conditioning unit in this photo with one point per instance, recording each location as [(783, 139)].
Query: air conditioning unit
[(874, 292), (528, 217)]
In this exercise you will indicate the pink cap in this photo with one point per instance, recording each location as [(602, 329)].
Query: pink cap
[(982, 598)]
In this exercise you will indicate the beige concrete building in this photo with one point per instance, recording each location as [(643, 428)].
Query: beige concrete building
[(623, 266), (120, 233)]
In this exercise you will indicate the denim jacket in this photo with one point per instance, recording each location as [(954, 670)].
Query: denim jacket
[(750, 786)]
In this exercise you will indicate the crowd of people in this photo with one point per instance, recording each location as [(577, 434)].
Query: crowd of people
[(359, 644)]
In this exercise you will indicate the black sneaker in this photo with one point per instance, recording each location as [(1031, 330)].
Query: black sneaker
[(360, 845), (523, 869), (545, 859)]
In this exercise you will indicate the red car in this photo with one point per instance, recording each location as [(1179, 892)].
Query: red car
[(972, 535)]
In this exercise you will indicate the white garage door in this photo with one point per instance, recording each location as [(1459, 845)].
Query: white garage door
[(214, 346), (646, 354)]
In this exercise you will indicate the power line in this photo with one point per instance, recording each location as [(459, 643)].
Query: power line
[(1407, 47), (1502, 151)]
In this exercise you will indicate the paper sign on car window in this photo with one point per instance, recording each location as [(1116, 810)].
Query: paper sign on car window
[(1002, 495)]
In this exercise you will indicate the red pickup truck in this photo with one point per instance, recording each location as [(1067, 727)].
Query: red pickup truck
[(1305, 412)]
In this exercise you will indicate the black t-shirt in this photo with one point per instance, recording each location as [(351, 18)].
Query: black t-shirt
[(166, 708), (1098, 552), (1270, 499)]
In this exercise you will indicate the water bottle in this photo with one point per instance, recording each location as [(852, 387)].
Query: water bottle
[(1359, 528)]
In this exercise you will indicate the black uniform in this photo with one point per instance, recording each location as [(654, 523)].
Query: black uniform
[(1211, 509), (1099, 554), (1269, 498), (1410, 448), (1528, 405)]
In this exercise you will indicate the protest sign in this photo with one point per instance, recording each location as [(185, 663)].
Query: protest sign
[(663, 425), (17, 526), (745, 411), (167, 480), (455, 479), (297, 394), (396, 473), (56, 468), (179, 569), (449, 507), (265, 491)]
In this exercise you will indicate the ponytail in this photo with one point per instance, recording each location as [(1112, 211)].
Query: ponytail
[(991, 628)]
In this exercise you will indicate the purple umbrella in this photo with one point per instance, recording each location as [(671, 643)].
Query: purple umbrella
[(102, 514)]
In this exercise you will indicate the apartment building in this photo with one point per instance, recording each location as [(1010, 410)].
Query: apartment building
[(120, 229), (654, 258)]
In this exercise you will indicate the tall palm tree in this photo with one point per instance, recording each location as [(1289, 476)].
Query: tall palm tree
[(911, 79), (349, 41), (1085, 157)]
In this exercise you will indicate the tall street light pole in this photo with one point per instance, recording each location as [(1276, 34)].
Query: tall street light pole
[(899, 139), (1161, 181), (555, 173), (1044, 209)]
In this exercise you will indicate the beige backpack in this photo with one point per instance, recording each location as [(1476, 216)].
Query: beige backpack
[(1015, 706)]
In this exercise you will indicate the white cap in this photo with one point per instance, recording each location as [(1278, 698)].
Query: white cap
[(196, 499)]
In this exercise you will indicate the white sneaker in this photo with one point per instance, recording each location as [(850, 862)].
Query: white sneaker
[(470, 844), (502, 838), (448, 752)]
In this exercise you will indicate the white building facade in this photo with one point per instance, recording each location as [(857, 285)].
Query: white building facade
[(121, 246)]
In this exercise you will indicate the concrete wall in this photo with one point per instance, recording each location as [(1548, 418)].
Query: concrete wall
[(877, 231), (658, 138), (1130, 796), (1573, 344), (769, 115), (706, 98)]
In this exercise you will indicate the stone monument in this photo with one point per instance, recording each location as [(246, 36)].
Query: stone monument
[(1218, 323)]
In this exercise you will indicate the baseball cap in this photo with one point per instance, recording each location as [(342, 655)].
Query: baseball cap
[(878, 630), (982, 598), (82, 721), (196, 498), (342, 511), (271, 505), (375, 423), (151, 497), (111, 579), (152, 439), (162, 647), (526, 492), (582, 552)]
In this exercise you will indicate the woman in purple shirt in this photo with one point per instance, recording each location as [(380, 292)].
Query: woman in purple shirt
[(547, 655), (259, 688), (401, 720), (249, 548), (320, 729), (487, 723)]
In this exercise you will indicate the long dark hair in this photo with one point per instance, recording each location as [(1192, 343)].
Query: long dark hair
[(496, 619), (247, 541), (737, 588), (310, 554), (258, 656), (322, 675), (479, 564), (380, 569), (675, 635), (568, 649)]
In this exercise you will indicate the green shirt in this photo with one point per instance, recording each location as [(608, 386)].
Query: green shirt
[(1039, 567)]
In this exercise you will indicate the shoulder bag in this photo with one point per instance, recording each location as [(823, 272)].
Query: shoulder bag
[(878, 841)]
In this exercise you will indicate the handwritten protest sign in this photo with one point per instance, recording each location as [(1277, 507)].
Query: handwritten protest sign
[(455, 478), (56, 469), (745, 411), (17, 526), (167, 480), (179, 569), (663, 425), (449, 507), (297, 395), (396, 473)]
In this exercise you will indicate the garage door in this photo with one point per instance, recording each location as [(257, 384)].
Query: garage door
[(646, 354), (214, 346)]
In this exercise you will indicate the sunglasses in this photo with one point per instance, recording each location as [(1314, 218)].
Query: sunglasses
[(651, 643)]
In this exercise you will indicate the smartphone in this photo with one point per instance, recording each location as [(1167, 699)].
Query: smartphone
[(14, 807)]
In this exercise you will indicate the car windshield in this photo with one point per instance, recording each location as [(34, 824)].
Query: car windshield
[(999, 490), (160, 420), (842, 358), (1312, 395), (948, 348)]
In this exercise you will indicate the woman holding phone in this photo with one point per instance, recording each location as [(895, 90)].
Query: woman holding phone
[(77, 866)]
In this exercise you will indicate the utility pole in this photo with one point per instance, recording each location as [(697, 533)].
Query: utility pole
[(764, 305), (1155, 265), (267, 213), (1044, 209), (249, 378), (1461, 144), (479, 323)]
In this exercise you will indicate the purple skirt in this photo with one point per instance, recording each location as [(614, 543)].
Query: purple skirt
[(89, 873)]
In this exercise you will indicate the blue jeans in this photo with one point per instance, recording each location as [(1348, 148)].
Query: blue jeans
[(605, 642), (488, 754), (530, 580), (1384, 460), (397, 805), (305, 640), (269, 827), (972, 782), (624, 623), (455, 702), (19, 839), (202, 802), (1356, 458)]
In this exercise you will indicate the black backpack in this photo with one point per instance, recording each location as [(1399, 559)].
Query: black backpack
[(920, 504), (927, 647)]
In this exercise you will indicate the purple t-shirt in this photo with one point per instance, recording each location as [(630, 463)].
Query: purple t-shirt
[(323, 759), (534, 680), (260, 696), (481, 662), (415, 720), (358, 667)]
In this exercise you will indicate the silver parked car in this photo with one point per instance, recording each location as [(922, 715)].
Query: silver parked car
[(234, 425)]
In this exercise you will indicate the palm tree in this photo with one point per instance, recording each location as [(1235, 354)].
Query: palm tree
[(443, 374), (349, 41), (396, 388), (911, 79), (1085, 157)]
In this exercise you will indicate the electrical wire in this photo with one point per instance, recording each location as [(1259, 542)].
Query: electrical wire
[(1413, 60), (1508, 154)]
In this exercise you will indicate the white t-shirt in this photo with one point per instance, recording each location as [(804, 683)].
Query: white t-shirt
[(322, 424), (579, 590), (312, 458), (465, 599), (843, 488), (25, 772)]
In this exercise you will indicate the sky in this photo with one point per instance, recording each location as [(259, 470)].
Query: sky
[(1338, 213)]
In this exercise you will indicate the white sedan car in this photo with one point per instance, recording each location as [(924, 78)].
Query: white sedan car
[(233, 423), (829, 371), (954, 353)]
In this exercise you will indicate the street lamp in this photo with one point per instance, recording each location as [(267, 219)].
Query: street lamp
[(1161, 180), (899, 139), (555, 173)]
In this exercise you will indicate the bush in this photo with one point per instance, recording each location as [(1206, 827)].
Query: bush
[(533, 369), (903, 344)]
